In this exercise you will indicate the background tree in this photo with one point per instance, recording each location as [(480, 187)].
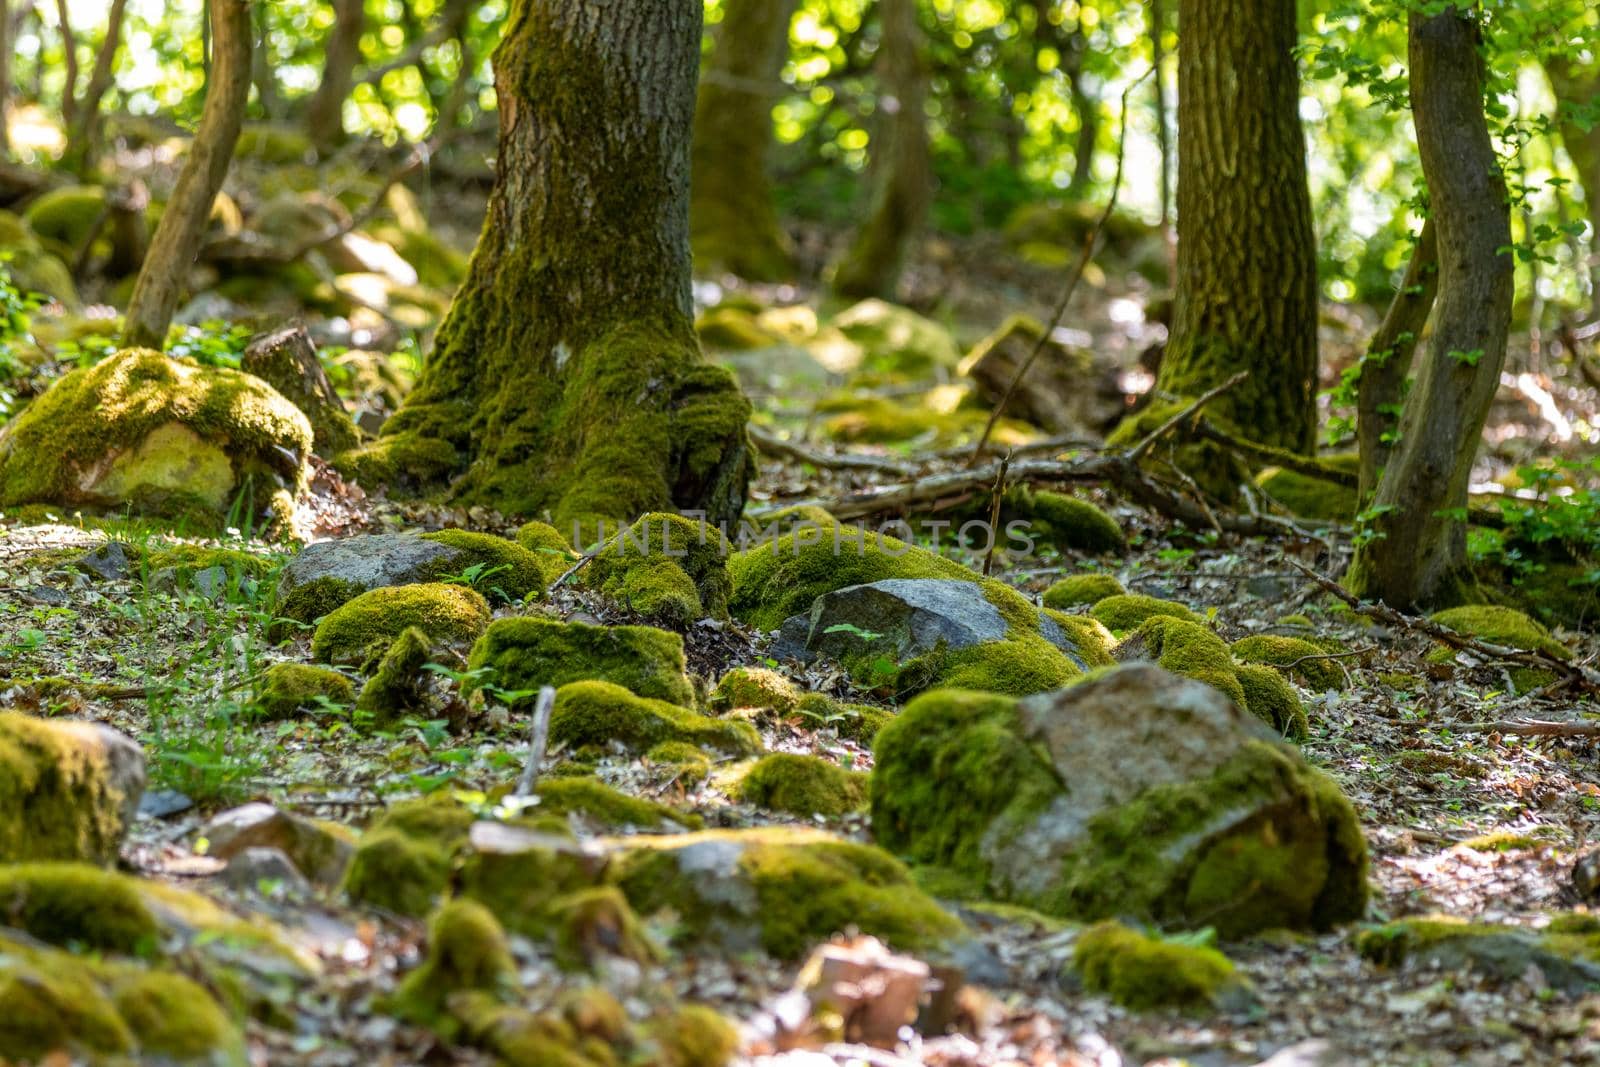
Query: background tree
[(80, 110), (1577, 89), (733, 222), (566, 378), (325, 112), (164, 274), (1246, 287), (900, 155), (1413, 548)]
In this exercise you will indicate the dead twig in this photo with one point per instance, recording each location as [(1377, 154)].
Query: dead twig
[(1531, 728), (994, 513), (1190, 411), (1084, 256), (537, 740)]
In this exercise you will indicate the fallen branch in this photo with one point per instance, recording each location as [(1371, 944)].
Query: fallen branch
[(773, 445), (1574, 673), (1190, 411), (1084, 256), (1531, 728), (538, 738)]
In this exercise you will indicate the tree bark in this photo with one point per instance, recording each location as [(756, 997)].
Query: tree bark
[(566, 378), (163, 276), (1085, 106), (733, 225), (873, 264), (1414, 549), (1380, 391), (325, 113), (1246, 288), (1575, 87), (5, 78)]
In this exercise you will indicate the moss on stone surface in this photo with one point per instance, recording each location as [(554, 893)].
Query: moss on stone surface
[(173, 1017), (803, 887), (310, 601), (1190, 649), (589, 924), (600, 713), (525, 653), (1067, 522), (395, 688), (694, 1035), (755, 687), (682, 761), (467, 951), (69, 214), (186, 560), (506, 567), (1126, 611), (1310, 667), (397, 871), (1144, 973), (1018, 666), (68, 904), (1217, 469), (1077, 590), (288, 689), (665, 565), (1311, 497), (609, 807), (550, 546), (51, 1001), (401, 463), (361, 629), (1273, 700), (802, 785), (1503, 841), (58, 792), (1502, 626), (183, 436)]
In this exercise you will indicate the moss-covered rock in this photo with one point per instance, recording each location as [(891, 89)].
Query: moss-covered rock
[(1067, 522), (1273, 700), (1126, 611), (668, 566), (802, 785), (896, 339), (467, 951), (174, 1019), (608, 807), (680, 761), (1187, 648), (778, 890), (397, 871), (1566, 954), (602, 713), (69, 214), (1145, 973), (288, 689), (78, 904), (526, 653), (1182, 809), (589, 924), (554, 552), (506, 569), (694, 1035), (158, 434), (395, 688), (1304, 661), (1077, 590), (755, 687), (1503, 626), (521, 870), (52, 1001), (363, 628), (69, 789), (1310, 497)]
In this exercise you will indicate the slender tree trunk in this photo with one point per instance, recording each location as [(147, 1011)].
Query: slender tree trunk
[(1576, 87), (1414, 552), (1085, 106), (83, 132), (261, 72), (325, 113), (1380, 390), (566, 378), (69, 60), (733, 225), (1247, 286), (164, 274), (904, 193)]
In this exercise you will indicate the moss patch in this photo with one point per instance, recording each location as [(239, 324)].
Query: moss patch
[(1502, 626), (466, 951), (395, 688), (1271, 699), (601, 713), (526, 653), (172, 1016), (755, 687), (1144, 973), (1126, 611), (1187, 648), (1077, 590), (1310, 497), (802, 785), (364, 627), (288, 689), (1298, 658), (507, 569), (666, 565), (57, 790), (607, 806), (1069, 523), (553, 551)]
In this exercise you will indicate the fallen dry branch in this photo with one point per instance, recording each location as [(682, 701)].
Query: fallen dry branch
[(1573, 673), (775, 446), (1531, 728)]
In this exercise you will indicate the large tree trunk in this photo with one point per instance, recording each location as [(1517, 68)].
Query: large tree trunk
[(566, 378), (1387, 362), (900, 150), (1414, 551), (325, 113), (1247, 286), (165, 272), (733, 225), (1575, 87)]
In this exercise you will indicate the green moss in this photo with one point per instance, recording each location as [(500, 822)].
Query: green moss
[(524, 885), (1560, 593), (1316, 673), (1067, 522), (554, 553), (896, 339), (1019, 666), (1215, 468), (590, 924), (287, 689), (312, 600), (694, 1035), (1094, 641), (437, 264), (397, 871), (466, 951), (1272, 700), (51, 1001), (1190, 649), (525, 653), (860, 723), (1503, 841), (1126, 611), (273, 143), (755, 687), (1082, 589), (183, 435), (188, 559), (802, 785), (665, 565), (681, 761), (361, 629), (507, 567), (732, 329), (395, 688), (602, 713), (803, 887), (171, 1016), (401, 461), (782, 576), (56, 791), (607, 806), (77, 905), (1503, 626), (69, 214), (1145, 973), (1310, 497)]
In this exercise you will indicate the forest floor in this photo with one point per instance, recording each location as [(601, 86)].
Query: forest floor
[(1479, 825)]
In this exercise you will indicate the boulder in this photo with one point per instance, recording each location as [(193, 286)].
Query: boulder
[(69, 789), (526, 653), (1066, 390), (1136, 793), (321, 851), (159, 434)]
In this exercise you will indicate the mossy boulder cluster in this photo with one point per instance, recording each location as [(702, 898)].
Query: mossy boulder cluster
[(360, 631), (1136, 792), (161, 435)]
